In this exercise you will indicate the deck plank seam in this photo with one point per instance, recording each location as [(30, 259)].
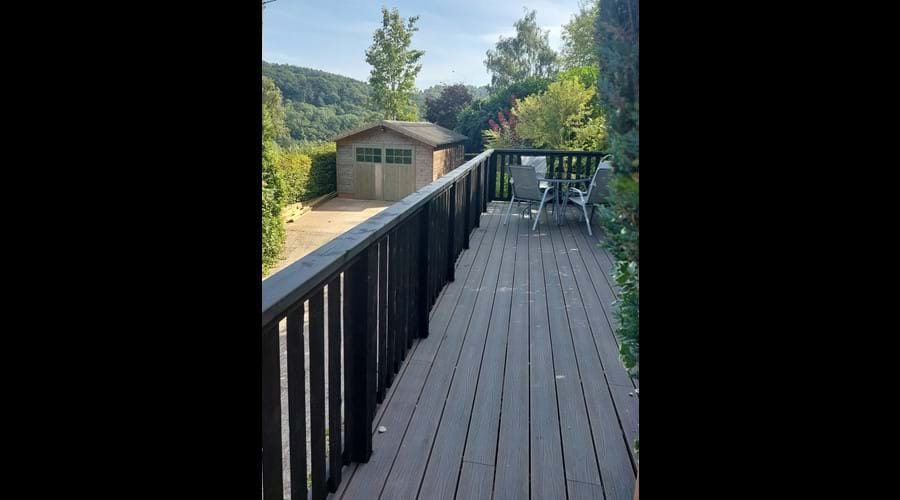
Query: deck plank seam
[(609, 385), (556, 257), (462, 344), (552, 360), (519, 220), (502, 250), (434, 362)]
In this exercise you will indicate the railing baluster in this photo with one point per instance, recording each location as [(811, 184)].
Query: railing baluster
[(394, 303), (383, 365), (359, 432), (271, 414), (451, 226), (371, 337), (422, 297), (492, 176), (296, 372), (466, 211), (317, 394), (335, 460)]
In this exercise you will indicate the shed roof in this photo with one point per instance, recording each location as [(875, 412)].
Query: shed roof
[(429, 133)]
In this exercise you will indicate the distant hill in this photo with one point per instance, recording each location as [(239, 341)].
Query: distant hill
[(319, 105)]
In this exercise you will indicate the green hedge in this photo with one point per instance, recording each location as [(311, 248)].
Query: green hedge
[(272, 199), (308, 170)]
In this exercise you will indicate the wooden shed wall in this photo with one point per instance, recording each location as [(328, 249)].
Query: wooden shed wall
[(345, 156)]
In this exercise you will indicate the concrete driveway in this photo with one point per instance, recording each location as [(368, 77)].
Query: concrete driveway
[(323, 224)]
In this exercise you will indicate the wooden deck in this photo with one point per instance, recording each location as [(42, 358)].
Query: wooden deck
[(518, 390)]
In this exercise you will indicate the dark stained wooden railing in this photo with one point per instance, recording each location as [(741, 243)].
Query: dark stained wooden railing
[(368, 294), (560, 164)]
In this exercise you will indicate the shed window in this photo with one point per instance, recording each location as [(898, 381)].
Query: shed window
[(401, 156), (368, 155)]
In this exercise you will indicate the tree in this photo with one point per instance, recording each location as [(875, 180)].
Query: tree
[(617, 29), (444, 108), (578, 35), (394, 67), (553, 118), (273, 110), (473, 118), (526, 55)]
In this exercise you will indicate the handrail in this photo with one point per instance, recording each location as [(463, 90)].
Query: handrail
[(286, 287), (376, 285)]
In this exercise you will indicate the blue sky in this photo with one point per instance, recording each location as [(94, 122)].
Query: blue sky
[(333, 35)]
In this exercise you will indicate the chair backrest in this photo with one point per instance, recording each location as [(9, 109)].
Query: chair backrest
[(599, 189), (538, 162), (525, 182)]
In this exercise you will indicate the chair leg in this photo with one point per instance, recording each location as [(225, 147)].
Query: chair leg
[(540, 209), (586, 220), (508, 210)]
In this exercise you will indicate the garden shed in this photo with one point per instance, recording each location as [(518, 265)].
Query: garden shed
[(388, 160)]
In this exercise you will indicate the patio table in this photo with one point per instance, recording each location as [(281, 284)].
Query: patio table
[(561, 184)]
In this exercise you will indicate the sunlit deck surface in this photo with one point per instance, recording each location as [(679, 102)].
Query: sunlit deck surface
[(518, 391)]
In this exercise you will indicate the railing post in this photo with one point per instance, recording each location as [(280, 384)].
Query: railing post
[(360, 285), (271, 414)]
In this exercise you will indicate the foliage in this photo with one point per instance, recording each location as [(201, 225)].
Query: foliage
[(394, 67), (272, 193), (504, 135), (320, 105), (526, 55), (273, 110), (617, 30), (307, 170), (553, 118), (272, 230), (579, 47), (322, 171), (473, 119), (293, 167), (444, 108), (435, 91)]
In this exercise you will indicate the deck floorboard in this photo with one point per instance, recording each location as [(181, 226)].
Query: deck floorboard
[(518, 391)]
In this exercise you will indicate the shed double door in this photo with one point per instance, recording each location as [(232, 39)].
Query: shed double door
[(383, 181), (397, 181)]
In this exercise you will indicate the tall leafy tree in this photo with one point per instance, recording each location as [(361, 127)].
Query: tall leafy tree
[(578, 35), (444, 108), (617, 30), (555, 119), (273, 111), (394, 66), (526, 55)]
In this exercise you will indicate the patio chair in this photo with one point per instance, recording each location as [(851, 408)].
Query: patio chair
[(523, 184), (597, 192), (540, 167)]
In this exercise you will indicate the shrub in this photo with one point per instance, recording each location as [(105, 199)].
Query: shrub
[(272, 229), (272, 199), (472, 120), (293, 167), (617, 33), (323, 169)]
